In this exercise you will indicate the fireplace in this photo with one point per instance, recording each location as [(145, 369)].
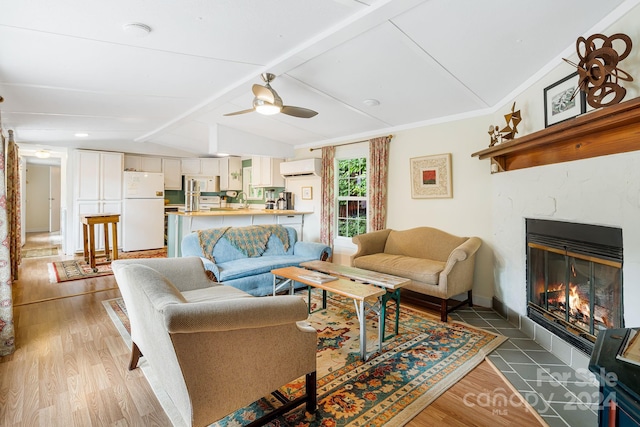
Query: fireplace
[(574, 279)]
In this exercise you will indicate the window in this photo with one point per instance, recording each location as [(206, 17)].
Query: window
[(352, 197)]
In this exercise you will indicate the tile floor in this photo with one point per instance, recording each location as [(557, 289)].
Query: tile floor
[(561, 395)]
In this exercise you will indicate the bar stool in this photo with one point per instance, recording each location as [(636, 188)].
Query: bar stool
[(89, 239)]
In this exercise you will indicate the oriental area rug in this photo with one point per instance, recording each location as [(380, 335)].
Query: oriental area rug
[(76, 269), (415, 367)]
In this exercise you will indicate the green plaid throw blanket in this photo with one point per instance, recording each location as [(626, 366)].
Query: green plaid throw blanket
[(251, 240)]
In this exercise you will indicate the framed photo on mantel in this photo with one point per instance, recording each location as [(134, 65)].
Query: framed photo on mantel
[(560, 104)]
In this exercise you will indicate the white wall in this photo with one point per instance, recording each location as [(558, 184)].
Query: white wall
[(468, 212), (311, 232)]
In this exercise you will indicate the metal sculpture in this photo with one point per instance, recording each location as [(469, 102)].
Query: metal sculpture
[(509, 131), (598, 69)]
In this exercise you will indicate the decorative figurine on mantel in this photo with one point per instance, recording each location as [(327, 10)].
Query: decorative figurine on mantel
[(598, 68), (509, 131)]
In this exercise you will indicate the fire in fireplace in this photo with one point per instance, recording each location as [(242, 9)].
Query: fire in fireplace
[(574, 279)]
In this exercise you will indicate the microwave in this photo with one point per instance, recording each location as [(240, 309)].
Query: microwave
[(207, 184)]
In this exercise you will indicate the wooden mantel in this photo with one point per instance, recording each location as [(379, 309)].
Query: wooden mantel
[(608, 130)]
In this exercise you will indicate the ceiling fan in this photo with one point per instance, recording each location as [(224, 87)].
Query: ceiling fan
[(268, 102)]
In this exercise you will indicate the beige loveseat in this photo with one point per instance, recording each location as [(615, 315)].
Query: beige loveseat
[(439, 264), (214, 348)]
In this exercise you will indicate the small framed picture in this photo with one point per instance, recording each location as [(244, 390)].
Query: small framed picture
[(307, 193), (431, 177), (563, 100)]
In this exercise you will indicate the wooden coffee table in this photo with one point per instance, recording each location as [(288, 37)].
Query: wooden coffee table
[(391, 284), (358, 292)]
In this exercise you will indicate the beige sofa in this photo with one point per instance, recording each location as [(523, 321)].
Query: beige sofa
[(439, 264), (215, 348)]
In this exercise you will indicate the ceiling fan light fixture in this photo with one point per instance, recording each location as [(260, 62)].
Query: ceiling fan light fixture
[(266, 108), (43, 154)]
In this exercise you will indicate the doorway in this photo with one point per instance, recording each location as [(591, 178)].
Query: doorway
[(41, 194)]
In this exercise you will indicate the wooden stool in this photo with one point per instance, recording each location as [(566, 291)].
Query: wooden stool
[(89, 239)]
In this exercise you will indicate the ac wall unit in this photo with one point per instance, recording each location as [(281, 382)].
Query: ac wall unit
[(301, 168)]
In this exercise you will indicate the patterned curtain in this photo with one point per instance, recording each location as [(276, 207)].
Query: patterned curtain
[(7, 336), (13, 206), (328, 196), (378, 172)]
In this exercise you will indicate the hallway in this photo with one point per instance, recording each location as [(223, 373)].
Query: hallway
[(41, 244)]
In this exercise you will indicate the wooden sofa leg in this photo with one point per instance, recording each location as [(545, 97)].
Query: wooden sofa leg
[(312, 393), (135, 356), (470, 297), (443, 310)]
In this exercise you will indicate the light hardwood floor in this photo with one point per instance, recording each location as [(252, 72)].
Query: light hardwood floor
[(69, 368)]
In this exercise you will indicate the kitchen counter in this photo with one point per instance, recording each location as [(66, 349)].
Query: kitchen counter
[(182, 223), (240, 212)]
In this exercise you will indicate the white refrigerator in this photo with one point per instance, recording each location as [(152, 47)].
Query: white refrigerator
[(143, 211)]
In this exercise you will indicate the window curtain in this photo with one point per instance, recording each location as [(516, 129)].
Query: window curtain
[(9, 183), (327, 222), (13, 206), (378, 171)]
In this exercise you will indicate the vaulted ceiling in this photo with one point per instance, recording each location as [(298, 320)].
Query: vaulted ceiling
[(69, 66)]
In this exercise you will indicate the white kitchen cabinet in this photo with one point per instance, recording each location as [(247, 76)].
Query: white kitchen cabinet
[(265, 172), (210, 167), (230, 173), (142, 163), (111, 176), (190, 166), (88, 178), (295, 221), (132, 163), (97, 189), (99, 175), (172, 174)]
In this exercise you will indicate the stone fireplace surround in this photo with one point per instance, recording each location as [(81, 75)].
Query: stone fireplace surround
[(601, 190)]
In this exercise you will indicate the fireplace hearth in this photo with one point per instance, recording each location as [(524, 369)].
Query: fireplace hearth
[(574, 279)]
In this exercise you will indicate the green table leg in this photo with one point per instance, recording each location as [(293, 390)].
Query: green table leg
[(324, 299), (395, 295)]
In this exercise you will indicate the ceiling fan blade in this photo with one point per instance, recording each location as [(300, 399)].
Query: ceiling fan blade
[(304, 113), (251, 110), (264, 93)]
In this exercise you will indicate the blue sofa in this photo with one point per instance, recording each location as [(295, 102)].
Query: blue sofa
[(231, 265)]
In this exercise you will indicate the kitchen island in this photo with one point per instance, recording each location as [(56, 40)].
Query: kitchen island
[(182, 223)]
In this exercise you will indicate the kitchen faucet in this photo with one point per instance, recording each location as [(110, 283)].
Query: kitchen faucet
[(242, 196)]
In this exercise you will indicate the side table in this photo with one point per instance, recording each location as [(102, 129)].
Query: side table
[(619, 382), (89, 238)]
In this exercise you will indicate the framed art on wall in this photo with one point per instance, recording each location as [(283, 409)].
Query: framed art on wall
[(560, 104), (307, 193), (431, 177)]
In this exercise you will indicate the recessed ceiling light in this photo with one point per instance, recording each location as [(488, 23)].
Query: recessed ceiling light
[(136, 29), (81, 135), (43, 154), (371, 102)]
